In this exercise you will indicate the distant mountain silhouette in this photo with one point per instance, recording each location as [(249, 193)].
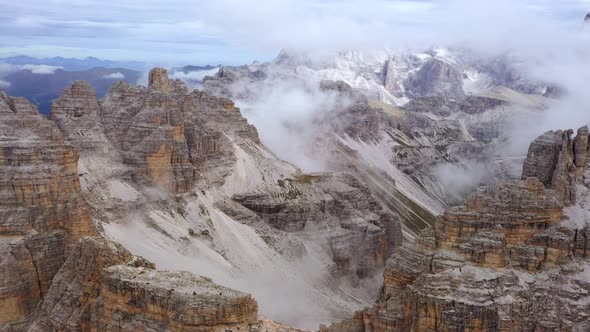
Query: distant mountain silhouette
[(73, 64), (42, 89), (187, 69)]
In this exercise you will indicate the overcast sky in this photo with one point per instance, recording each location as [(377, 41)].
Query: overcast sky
[(239, 31)]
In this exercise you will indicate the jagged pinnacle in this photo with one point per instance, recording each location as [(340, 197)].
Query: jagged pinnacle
[(158, 79)]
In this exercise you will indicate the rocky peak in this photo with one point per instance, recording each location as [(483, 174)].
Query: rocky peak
[(76, 112), (76, 101), (158, 80), (54, 275), (587, 18), (82, 89), (436, 77), (6, 104), (558, 160), (165, 134)]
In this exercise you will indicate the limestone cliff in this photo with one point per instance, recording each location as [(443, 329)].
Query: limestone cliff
[(168, 136), (220, 185), (506, 260), (209, 161), (41, 207), (558, 161), (339, 213), (103, 287), (50, 281)]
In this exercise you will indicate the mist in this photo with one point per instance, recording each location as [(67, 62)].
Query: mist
[(546, 41), (287, 111), (459, 179), (7, 68)]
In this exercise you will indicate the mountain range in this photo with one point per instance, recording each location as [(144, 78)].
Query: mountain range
[(362, 192), (41, 80)]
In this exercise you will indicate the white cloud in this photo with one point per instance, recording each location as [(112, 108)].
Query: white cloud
[(41, 69), (197, 75), (4, 84), (7, 69), (115, 76)]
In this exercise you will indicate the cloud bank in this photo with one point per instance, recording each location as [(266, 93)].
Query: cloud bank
[(40, 69), (192, 77), (115, 76)]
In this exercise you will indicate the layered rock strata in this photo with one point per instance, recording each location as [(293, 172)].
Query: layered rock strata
[(558, 161), (50, 281), (166, 135), (190, 143), (41, 207), (503, 261), (76, 112), (335, 210), (102, 287)]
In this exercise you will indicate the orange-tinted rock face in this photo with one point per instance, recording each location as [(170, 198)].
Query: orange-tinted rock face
[(102, 287), (39, 186), (504, 261), (41, 207), (558, 160), (495, 219), (178, 301), (70, 300), (19, 287), (169, 135)]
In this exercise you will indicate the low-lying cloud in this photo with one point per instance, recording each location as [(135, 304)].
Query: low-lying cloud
[(287, 111), (40, 69), (115, 76), (193, 76), (7, 68), (459, 179)]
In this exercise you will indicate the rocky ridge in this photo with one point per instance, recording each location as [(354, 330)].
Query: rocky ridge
[(55, 277), (477, 268), (192, 143), (361, 235), (504, 261), (394, 78), (145, 153), (103, 287), (441, 114), (164, 134)]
